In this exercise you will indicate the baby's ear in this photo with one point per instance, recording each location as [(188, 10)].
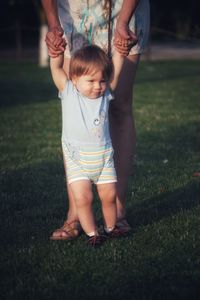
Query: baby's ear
[(74, 80)]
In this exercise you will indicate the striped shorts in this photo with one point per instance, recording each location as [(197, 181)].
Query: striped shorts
[(89, 163)]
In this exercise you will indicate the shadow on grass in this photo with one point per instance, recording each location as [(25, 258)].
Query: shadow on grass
[(163, 157), (34, 202), (165, 205)]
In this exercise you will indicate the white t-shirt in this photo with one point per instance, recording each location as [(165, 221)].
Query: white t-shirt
[(84, 121)]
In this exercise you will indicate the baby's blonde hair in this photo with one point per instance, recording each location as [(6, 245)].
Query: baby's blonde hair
[(88, 60)]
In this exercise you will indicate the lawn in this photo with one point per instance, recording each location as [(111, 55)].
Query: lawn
[(161, 257)]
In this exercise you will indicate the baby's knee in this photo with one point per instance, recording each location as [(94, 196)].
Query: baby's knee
[(110, 197), (83, 199)]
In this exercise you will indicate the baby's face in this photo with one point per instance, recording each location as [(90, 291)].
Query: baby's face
[(91, 85)]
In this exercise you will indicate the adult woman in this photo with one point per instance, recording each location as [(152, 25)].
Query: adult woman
[(104, 23)]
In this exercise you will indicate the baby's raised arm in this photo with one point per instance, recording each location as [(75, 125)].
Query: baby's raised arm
[(58, 74), (118, 61)]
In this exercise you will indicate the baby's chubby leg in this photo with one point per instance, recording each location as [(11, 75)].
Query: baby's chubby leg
[(82, 192), (107, 194)]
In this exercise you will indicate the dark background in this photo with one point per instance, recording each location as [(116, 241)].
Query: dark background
[(170, 20)]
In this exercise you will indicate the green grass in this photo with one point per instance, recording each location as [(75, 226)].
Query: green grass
[(160, 260)]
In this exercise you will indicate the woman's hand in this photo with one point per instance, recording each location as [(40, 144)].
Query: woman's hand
[(55, 42), (124, 38)]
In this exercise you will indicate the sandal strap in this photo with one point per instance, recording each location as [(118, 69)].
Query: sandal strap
[(68, 229), (69, 224)]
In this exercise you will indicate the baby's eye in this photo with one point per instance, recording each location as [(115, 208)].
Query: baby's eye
[(90, 80)]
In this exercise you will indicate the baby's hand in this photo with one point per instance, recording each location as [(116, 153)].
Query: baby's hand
[(55, 42), (124, 38), (123, 46)]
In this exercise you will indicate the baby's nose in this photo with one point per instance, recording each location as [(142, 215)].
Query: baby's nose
[(97, 85)]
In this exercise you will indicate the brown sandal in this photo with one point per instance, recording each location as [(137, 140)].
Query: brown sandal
[(71, 231)]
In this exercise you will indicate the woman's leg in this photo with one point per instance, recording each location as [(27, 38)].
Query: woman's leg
[(123, 130), (71, 227)]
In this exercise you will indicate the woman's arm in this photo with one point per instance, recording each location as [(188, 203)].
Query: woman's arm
[(126, 12), (54, 38), (58, 74), (124, 38), (51, 11)]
